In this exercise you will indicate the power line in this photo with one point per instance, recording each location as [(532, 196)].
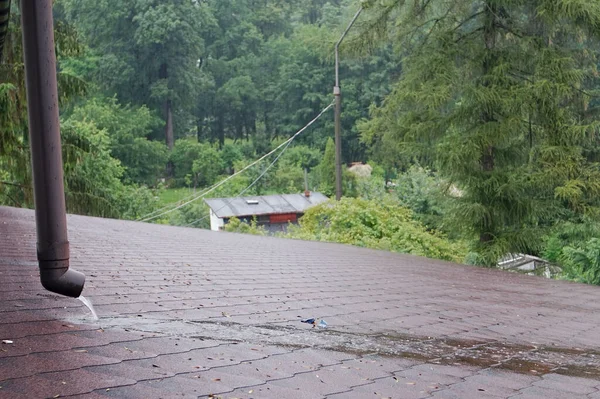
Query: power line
[(215, 186), (250, 186)]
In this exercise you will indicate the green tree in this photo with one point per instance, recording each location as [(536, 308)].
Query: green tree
[(492, 96), (195, 163), (148, 52), (93, 183), (326, 170), (129, 129), (582, 263), (16, 185)]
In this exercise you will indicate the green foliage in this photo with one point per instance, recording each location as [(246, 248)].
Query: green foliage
[(93, 183), (128, 129), (146, 51), (495, 96), (235, 225), (582, 263), (195, 164), (374, 224), (326, 170), (208, 166), (568, 234), (421, 191)]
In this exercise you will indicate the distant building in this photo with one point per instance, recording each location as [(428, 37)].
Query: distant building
[(528, 264), (273, 212)]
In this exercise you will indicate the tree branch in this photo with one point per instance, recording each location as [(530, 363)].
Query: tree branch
[(468, 34), (15, 185), (467, 20)]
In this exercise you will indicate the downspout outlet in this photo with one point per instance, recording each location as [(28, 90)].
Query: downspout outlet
[(57, 277)]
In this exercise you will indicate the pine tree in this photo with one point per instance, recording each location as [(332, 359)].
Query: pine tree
[(493, 95), (326, 170)]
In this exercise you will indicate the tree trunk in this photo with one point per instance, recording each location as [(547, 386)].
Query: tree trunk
[(170, 138), (163, 73), (221, 130), (487, 160), (199, 129)]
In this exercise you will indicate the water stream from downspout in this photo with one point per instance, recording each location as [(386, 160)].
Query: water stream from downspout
[(89, 305)]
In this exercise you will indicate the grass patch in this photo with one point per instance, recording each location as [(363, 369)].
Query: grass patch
[(172, 195)]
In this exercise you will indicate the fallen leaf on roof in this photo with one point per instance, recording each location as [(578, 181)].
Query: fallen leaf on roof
[(56, 396), (411, 383), (225, 314), (155, 365), (7, 341), (250, 391), (80, 351), (216, 379), (395, 379), (63, 382)]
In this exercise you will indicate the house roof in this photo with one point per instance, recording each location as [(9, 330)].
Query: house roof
[(182, 316), (264, 204)]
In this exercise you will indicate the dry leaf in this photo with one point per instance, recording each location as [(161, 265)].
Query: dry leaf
[(411, 383), (250, 391), (216, 379)]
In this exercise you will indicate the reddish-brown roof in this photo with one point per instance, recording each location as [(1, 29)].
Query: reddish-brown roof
[(193, 313)]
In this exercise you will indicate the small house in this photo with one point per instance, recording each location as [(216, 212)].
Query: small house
[(273, 212)]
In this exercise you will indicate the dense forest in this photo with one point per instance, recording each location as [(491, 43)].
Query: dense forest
[(479, 119)]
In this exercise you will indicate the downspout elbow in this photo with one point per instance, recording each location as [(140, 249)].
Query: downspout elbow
[(57, 277)]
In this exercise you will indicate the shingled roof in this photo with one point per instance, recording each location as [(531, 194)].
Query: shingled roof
[(180, 317), (264, 204)]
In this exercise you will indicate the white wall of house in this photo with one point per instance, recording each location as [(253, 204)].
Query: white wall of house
[(216, 223)]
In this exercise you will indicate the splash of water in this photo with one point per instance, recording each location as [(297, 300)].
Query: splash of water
[(89, 305)]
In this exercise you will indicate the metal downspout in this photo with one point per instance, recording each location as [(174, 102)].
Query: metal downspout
[(46, 151)]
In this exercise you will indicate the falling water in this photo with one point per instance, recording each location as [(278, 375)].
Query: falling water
[(89, 305)]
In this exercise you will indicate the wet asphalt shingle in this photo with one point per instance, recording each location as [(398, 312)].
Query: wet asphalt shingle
[(192, 313)]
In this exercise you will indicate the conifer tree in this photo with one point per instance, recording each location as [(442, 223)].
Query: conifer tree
[(495, 95)]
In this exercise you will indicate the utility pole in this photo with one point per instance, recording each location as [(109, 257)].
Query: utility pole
[(337, 92)]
